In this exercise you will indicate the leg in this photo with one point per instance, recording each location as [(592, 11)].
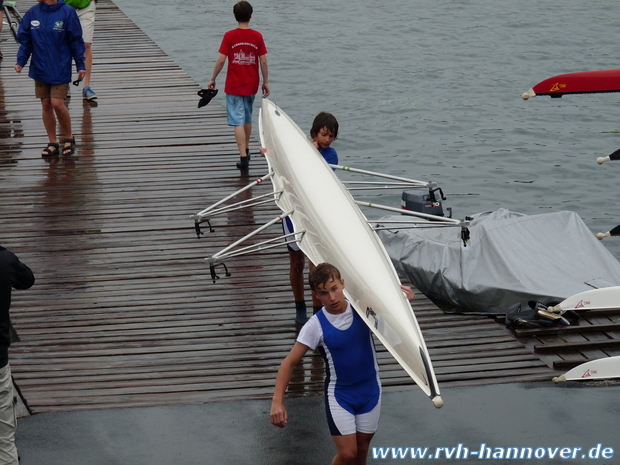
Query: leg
[(248, 133), (352, 449), (347, 450), (363, 445), (87, 21), (8, 421), (248, 104), (240, 137), (87, 92), (342, 426), (244, 161), (49, 119), (64, 118), (88, 55), (236, 111), (297, 262)]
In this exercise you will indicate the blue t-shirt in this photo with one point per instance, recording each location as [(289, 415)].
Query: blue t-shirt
[(330, 155)]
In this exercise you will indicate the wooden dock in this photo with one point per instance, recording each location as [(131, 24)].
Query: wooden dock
[(124, 312), (597, 335)]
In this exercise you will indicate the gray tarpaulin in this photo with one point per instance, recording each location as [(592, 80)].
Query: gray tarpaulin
[(510, 258)]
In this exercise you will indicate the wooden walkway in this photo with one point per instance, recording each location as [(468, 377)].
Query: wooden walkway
[(124, 312)]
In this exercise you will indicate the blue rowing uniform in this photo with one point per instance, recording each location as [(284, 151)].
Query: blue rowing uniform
[(352, 375)]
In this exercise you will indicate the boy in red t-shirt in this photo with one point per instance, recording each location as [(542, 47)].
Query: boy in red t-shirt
[(246, 51)]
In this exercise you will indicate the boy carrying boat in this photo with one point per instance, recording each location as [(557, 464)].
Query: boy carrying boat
[(352, 384), (323, 132)]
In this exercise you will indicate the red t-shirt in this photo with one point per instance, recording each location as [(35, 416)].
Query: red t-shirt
[(242, 47)]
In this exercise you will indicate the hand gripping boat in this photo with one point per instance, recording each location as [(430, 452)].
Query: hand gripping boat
[(329, 227)]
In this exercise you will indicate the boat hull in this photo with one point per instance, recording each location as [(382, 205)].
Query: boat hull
[(587, 82), (331, 228), (603, 368), (593, 299)]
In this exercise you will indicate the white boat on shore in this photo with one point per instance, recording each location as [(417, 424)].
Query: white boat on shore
[(602, 368)]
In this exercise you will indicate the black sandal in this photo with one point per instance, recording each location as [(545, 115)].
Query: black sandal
[(68, 149), (205, 96), (48, 152)]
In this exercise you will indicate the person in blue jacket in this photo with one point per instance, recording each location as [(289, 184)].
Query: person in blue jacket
[(51, 34)]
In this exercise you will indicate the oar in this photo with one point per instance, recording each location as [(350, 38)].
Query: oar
[(614, 156), (606, 297), (612, 232)]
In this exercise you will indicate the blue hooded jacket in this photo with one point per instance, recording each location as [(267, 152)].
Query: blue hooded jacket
[(52, 35)]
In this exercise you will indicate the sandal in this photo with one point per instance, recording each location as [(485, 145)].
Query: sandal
[(68, 149), (205, 96), (51, 150)]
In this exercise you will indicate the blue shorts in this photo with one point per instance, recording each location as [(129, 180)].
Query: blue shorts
[(342, 421), (287, 228), (239, 109)]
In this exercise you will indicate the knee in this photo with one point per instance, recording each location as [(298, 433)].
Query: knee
[(348, 456), (362, 450), (57, 104)]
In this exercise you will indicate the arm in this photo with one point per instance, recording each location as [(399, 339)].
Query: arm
[(24, 37), (20, 275), (408, 292), (278, 414), (264, 69), (219, 65), (76, 43)]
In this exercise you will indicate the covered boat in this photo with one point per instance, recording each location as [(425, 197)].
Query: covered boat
[(510, 258)]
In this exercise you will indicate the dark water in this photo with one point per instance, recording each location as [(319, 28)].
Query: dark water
[(432, 90)]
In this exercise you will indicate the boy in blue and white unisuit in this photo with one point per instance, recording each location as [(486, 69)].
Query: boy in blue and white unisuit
[(352, 384)]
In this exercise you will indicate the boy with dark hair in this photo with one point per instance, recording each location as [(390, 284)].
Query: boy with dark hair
[(352, 385), (324, 131), (245, 50), (243, 12)]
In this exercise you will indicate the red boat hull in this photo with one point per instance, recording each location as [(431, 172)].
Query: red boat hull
[(587, 82)]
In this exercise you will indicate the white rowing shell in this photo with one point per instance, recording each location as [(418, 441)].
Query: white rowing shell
[(337, 232), (603, 368), (606, 297)]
